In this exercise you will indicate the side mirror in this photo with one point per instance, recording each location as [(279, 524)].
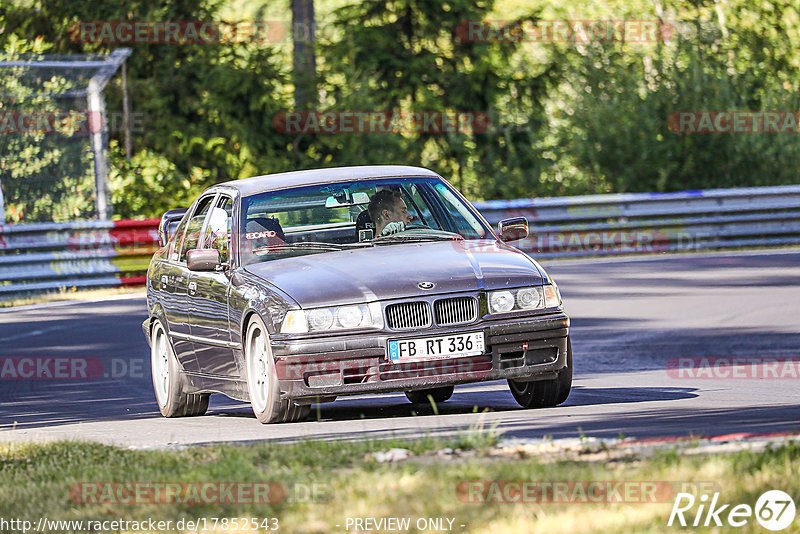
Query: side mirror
[(513, 229), (203, 259), (169, 222)]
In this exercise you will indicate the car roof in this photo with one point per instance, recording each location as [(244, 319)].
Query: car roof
[(283, 180)]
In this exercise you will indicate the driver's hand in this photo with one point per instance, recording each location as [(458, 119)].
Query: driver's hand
[(393, 228)]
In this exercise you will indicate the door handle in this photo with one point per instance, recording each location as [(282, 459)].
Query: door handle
[(192, 288)]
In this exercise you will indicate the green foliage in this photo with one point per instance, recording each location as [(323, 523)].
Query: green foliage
[(616, 125), (410, 55), (566, 118), (205, 109), (45, 176)]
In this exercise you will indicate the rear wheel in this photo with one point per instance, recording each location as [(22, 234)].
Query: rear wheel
[(262, 379), (438, 395), (545, 393), (172, 402)]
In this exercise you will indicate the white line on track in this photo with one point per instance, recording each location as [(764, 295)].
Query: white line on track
[(60, 303), (35, 332)]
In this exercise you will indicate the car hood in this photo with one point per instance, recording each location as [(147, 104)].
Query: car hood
[(395, 271)]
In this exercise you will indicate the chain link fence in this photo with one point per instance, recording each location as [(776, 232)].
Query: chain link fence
[(54, 136)]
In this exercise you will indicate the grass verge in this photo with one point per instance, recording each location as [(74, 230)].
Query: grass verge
[(325, 483)]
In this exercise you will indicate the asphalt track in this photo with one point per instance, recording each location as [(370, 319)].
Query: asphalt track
[(630, 319)]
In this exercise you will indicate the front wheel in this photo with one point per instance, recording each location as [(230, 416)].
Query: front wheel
[(438, 395), (172, 402), (262, 379), (545, 393)]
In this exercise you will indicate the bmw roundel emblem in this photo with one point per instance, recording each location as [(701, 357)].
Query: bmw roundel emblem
[(425, 285)]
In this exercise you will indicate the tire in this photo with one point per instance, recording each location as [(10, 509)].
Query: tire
[(420, 396), (166, 371), (545, 393), (262, 379)]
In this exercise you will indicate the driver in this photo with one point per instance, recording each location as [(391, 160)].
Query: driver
[(389, 212)]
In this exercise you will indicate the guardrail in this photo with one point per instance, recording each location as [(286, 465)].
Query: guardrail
[(86, 254), (48, 256), (640, 223)]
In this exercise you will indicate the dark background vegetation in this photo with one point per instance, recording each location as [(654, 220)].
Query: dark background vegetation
[(567, 118)]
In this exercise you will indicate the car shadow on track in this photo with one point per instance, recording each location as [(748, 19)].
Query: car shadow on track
[(464, 401), (656, 422)]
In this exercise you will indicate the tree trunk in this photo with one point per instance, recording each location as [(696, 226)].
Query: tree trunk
[(304, 60)]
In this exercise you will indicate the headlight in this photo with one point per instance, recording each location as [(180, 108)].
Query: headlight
[(333, 318), (321, 319), (350, 316), (526, 298), (529, 298), (501, 301)]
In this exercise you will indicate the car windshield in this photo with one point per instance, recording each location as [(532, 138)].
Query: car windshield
[(339, 216)]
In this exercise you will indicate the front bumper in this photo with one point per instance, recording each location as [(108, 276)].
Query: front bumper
[(530, 348), (146, 330)]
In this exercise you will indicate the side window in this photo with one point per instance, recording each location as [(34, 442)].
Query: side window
[(175, 241), (218, 229), (194, 226)]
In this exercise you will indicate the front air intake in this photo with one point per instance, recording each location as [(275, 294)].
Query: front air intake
[(407, 315)]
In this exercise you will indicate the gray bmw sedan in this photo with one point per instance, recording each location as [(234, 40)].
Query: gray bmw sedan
[(291, 289)]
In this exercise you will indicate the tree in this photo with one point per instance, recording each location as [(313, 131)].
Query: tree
[(412, 55), (206, 109), (616, 123), (304, 59)]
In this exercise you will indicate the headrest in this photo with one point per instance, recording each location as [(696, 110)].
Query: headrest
[(364, 222)]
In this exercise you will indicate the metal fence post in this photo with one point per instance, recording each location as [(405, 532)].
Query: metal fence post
[(2, 206), (99, 134), (99, 131)]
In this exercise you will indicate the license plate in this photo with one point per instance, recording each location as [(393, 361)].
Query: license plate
[(470, 344)]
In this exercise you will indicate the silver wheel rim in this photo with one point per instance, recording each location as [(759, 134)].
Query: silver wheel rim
[(160, 364), (258, 378)]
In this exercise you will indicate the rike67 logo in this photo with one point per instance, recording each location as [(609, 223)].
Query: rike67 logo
[(774, 510)]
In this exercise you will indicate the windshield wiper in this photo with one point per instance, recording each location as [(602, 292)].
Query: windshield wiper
[(337, 246), (417, 237), (313, 245)]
